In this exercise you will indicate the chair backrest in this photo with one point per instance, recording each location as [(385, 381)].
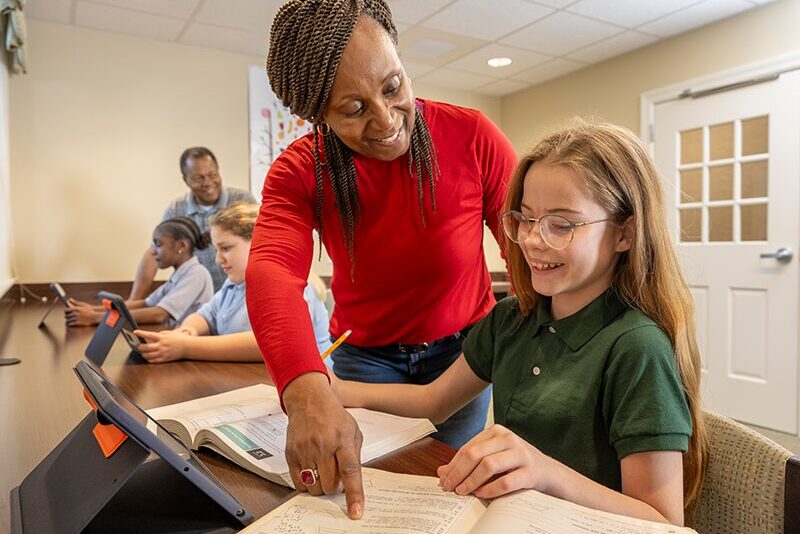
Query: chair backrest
[(744, 490)]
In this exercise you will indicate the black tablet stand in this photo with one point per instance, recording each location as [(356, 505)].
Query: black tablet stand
[(76, 488)]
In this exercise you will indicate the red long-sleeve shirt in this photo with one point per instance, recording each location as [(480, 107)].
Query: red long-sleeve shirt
[(413, 282)]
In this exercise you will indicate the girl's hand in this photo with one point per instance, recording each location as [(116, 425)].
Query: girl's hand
[(82, 316), (495, 462), (79, 303), (164, 346)]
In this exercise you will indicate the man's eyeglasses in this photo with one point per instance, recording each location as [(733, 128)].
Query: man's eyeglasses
[(200, 179), (556, 231)]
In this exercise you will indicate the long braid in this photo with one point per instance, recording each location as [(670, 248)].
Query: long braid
[(307, 40)]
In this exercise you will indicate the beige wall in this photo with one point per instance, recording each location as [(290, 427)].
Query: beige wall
[(611, 90), (5, 221), (97, 127)]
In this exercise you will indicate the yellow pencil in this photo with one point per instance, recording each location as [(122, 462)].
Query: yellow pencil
[(336, 344)]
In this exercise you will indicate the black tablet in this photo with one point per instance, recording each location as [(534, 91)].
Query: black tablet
[(113, 405), (117, 319), (56, 288), (117, 303)]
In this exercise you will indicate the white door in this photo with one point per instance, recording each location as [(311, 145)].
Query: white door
[(731, 169)]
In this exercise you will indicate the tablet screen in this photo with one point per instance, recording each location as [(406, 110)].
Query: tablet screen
[(141, 417)]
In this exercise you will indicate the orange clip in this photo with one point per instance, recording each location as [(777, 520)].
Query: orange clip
[(109, 437), (112, 317)]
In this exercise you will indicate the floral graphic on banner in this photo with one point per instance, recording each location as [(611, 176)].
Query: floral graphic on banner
[(285, 128), (272, 127)]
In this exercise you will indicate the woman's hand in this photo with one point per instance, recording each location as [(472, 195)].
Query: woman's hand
[(495, 462), (164, 346), (321, 435), (82, 316)]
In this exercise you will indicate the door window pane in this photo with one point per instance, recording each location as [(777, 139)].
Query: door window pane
[(720, 223), (692, 186), (692, 146), (721, 141), (691, 225), (754, 222), (720, 182), (755, 136), (754, 179)]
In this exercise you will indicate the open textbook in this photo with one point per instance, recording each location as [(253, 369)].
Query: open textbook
[(410, 503), (248, 427)]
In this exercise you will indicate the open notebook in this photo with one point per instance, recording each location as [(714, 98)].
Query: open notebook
[(248, 427), (409, 503)]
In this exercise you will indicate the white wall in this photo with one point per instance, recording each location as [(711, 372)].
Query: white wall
[(5, 204), (99, 123)]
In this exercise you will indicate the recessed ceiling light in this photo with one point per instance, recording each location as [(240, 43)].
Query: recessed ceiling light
[(497, 62)]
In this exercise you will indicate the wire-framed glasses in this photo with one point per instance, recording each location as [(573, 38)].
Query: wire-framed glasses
[(556, 231)]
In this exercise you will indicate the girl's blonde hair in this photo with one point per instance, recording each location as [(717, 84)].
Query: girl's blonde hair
[(238, 219), (622, 178)]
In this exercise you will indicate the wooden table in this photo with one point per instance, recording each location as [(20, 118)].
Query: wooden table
[(41, 401)]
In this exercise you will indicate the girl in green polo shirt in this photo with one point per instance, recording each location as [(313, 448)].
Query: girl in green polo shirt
[(594, 363)]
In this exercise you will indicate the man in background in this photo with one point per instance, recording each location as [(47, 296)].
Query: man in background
[(206, 196)]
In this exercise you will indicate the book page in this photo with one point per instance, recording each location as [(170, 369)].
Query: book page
[(532, 512), (214, 410), (260, 442), (394, 503)]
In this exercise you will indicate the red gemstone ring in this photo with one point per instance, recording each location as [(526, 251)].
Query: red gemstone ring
[(309, 477)]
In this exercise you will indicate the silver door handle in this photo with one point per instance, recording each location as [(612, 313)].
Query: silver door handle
[(783, 255)]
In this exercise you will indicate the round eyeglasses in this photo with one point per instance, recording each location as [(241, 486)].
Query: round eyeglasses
[(556, 231)]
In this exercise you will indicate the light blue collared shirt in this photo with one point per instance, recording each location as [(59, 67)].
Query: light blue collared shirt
[(319, 318), (188, 288), (226, 313)]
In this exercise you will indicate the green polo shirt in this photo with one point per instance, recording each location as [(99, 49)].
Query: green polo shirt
[(587, 390)]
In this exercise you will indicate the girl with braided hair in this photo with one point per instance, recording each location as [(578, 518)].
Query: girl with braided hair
[(189, 287), (398, 189), (220, 329)]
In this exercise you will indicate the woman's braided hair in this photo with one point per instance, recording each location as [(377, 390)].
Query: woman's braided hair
[(306, 44)]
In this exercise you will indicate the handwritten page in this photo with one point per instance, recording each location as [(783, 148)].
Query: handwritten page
[(531, 512), (395, 503)]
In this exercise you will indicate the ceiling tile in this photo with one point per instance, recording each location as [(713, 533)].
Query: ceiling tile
[(180, 9), (229, 39), (413, 11), (476, 61), (434, 47), (486, 20), (548, 71), (560, 33), (502, 88), (552, 3), (115, 19), (415, 70), (629, 13), (454, 79), (695, 16), (613, 46), (50, 10), (402, 26), (254, 16)]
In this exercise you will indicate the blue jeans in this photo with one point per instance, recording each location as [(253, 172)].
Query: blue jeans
[(389, 365)]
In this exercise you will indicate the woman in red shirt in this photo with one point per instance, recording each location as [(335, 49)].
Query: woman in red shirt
[(399, 189)]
